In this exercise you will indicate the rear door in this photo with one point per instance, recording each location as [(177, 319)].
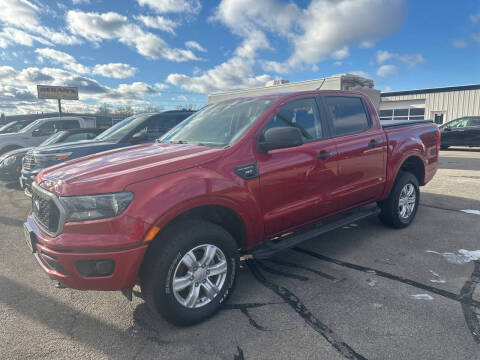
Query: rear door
[(454, 133), (362, 148), (473, 132), (294, 181)]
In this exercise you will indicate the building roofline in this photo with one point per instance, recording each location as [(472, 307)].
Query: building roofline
[(431, 90)]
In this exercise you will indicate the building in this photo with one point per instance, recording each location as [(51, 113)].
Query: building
[(437, 104), (335, 82)]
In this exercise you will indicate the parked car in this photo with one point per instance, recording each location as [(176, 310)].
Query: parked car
[(13, 126), (247, 176), (11, 162), (464, 131), (38, 131), (137, 129)]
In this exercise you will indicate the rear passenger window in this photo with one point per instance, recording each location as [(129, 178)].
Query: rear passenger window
[(78, 137), (348, 115), (66, 125), (303, 115), (474, 122)]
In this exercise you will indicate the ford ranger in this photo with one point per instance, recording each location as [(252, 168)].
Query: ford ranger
[(243, 177)]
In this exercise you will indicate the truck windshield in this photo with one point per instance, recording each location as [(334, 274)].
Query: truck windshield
[(31, 126), (219, 125), (118, 131)]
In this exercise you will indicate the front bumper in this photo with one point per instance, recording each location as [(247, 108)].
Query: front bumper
[(62, 264)]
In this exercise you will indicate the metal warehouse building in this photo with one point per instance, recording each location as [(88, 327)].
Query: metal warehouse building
[(437, 104)]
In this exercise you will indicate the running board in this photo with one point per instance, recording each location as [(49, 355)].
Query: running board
[(270, 247)]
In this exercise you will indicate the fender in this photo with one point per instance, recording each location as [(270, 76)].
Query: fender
[(395, 166), (172, 195)]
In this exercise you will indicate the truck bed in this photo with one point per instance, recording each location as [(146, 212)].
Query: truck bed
[(387, 124)]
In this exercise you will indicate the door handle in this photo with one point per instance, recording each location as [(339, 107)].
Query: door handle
[(373, 143), (323, 155)]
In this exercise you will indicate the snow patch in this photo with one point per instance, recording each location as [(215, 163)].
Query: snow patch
[(422, 297), (438, 278), (463, 256), (469, 211)]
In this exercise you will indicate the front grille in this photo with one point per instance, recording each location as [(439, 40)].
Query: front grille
[(28, 162), (45, 211)]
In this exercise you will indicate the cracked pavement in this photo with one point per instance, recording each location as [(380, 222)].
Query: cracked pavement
[(360, 292)]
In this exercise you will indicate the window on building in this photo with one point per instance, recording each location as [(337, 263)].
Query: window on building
[(402, 114)]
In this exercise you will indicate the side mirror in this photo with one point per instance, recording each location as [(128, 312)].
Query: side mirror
[(447, 128), (280, 138), (139, 137), (36, 133)]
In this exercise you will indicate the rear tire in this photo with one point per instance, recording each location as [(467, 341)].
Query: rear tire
[(189, 272), (400, 208)]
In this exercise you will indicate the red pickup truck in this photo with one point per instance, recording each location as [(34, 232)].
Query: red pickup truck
[(248, 176)]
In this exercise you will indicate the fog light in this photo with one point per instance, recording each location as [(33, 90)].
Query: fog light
[(93, 268)]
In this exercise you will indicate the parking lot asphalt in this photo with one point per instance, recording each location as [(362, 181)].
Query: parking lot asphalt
[(361, 292)]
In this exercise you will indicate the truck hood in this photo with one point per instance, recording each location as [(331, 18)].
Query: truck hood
[(113, 170), (84, 147)]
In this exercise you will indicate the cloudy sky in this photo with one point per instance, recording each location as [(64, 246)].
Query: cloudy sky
[(172, 52)]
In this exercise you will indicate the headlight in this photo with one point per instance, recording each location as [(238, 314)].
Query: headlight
[(7, 161), (92, 207), (43, 158)]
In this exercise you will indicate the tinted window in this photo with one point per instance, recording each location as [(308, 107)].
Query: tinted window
[(46, 128), (67, 124), (474, 122), (78, 137), (156, 126), (400, 112), (348, 115), (303, 115)]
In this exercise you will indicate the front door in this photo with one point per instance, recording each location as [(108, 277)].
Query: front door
[(455, 132), (294, 181), (362, 150)]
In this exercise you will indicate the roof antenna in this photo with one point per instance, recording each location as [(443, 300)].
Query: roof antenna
[(323, 82)]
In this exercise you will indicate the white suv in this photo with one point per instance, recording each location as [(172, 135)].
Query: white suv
[(39, 130)]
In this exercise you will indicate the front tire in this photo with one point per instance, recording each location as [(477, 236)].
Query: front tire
[(400, 208), (190, 271)]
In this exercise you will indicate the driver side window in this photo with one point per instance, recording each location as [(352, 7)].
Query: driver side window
[(301, 114), (46, 129)]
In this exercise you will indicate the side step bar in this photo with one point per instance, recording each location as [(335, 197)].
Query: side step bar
[(270, 247)]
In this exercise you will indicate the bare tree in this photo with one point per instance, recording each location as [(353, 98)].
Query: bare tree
[(187, 107), (124, 111), (104, 109)]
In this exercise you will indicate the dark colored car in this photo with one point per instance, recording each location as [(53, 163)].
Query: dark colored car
[(137, 129), (464, 131), (249, 176), (13, 126), (11, 162)]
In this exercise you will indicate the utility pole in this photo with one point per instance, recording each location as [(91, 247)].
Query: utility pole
[(59, 107)]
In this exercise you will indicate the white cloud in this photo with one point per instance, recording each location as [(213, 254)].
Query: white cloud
[(387, 88), (236, 73), (108, 26), (384, 55), (341, 54), (323, 29), (115, 70), (23, 14), (21, 97), (179, 98), (195, 46), (158, 22), (387, 70), (255, 41), (174, 6), (56, 55), (366, 44), (475, 18), (161, 86), (10, 35), (78, 2), (459, 44), (476, 38)]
